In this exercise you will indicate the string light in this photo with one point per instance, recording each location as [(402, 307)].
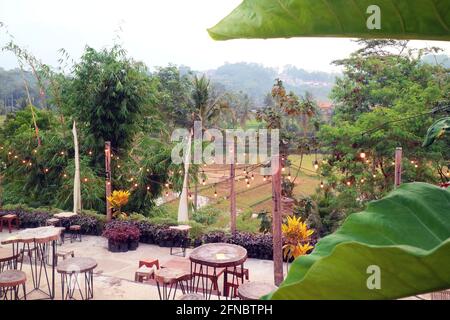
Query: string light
[(283, 169), (321, 184), (253, 176), (265, 178), (349, 183), (65, 175), (46, 170), (190, 196), (90, 152), (148, 187), (215, 192), (248, 184), (362, 180), (85, 179), (316, 165), (362, 154), (289, 175), (135, 185), (246, 179), (203, 181), (167, 193), (167, 184), (62, 153)]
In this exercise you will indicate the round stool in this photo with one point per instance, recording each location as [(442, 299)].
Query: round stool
[(69, 270), (167, 281), (255, 290), (75, 231), (10, 283)]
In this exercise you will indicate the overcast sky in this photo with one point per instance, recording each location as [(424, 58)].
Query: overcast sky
[(157, 32)]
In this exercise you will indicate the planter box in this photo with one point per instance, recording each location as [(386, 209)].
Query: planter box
[(117, 246), (133, 245)]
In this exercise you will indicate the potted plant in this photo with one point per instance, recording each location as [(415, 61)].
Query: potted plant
[(296, 238), (122, 237), (117, 200)]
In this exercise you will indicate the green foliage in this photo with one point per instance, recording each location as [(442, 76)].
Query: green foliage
[(246, 223), (310, 18), (372, 117), (206, 215), (110, 95), (265, 218), (436, 131), (406, 235)]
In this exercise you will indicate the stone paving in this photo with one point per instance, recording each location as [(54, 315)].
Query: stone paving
[(114, 275)]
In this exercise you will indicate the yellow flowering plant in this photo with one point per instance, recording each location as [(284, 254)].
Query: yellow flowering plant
[(117, 200), (297, 237)]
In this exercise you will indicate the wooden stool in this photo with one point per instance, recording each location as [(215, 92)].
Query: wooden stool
[(75, 231), (9, 218), (149, 262), (10, 282), (72, 271), (167, 282), (144, 273), (64, 255), (255, 290)]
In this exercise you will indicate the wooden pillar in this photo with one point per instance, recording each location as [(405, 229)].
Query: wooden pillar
[(108, 179), (276, 221), (196, 195), (232, 198), (398, 167)]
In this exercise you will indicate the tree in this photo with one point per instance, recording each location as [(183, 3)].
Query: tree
[(385, 99), (110, 95)]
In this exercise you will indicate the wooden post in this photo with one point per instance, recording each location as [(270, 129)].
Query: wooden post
[(196, 195), (108, 179), (232, 198), (398, 167), (276, 221)]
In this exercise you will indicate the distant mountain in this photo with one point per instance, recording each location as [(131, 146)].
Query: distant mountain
[(257, 80)]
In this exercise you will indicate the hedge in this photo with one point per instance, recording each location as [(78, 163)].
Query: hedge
[(258, 245)]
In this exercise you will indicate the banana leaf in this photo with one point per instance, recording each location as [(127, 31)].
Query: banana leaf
[(436, 131), (406, 235), (400, 19)]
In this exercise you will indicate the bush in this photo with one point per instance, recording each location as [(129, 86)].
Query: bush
[(120, 233), (207, 215)]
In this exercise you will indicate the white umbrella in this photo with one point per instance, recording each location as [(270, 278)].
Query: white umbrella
[(183, 215), (76, 181)]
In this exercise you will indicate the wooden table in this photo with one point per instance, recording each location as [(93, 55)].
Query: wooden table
[(208, 260), (69, 270), (181, 228), (255, 290), (65, 215), (38, 240)]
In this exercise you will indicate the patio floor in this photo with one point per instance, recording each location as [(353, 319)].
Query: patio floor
[(114, 275)]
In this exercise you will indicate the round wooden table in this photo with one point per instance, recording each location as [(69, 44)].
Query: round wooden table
[(209, 260), (39, 240), (69, 270), (255, 290)]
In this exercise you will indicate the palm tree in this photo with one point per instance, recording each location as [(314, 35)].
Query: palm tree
[(207, 108)]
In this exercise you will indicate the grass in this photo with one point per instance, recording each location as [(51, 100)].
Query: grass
[(254, 199), (2, 119)]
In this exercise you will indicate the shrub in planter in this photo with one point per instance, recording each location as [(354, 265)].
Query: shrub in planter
[(122, 236)]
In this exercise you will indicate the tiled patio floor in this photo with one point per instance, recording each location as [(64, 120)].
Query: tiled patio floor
[(114, 275)]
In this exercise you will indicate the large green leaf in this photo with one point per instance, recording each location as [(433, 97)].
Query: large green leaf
[(400, 19), (406, 234), (437, 130)]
